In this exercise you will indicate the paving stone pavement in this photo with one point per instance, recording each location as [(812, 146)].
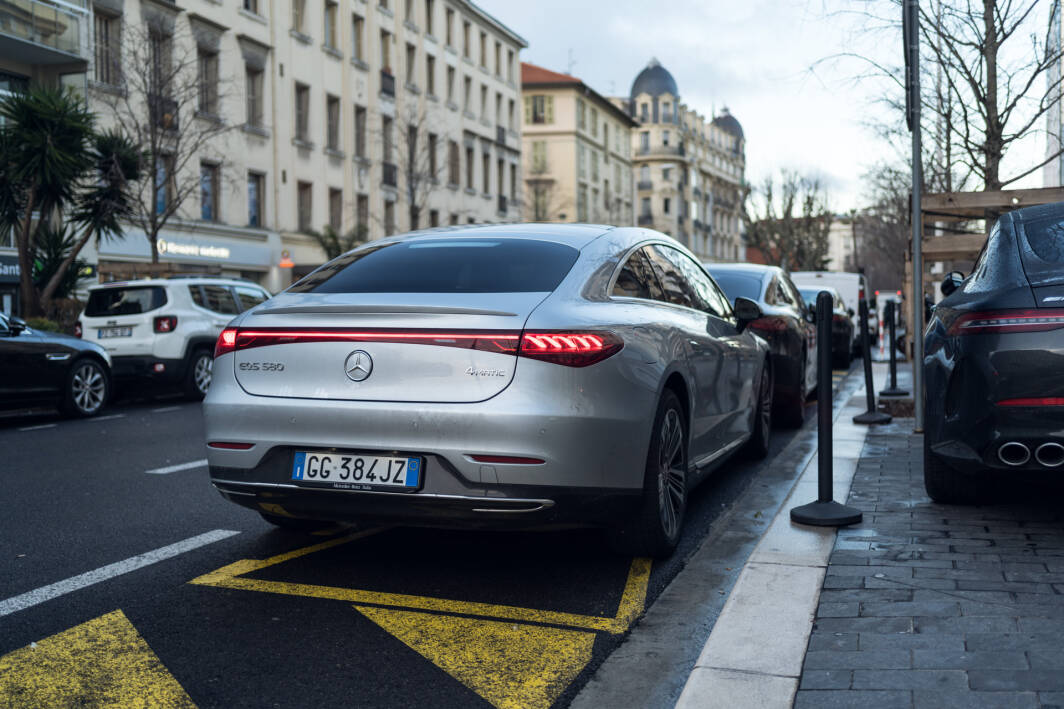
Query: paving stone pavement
[(928, 605)]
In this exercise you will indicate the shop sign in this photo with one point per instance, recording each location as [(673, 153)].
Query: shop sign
[(176, 248), (9, 270)]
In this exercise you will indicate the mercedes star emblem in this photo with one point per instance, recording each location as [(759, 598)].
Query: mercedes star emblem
[(359, 365)]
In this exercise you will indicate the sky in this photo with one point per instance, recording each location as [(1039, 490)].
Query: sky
[(776, 65)]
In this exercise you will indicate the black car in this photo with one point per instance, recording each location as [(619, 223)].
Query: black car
[(994, 362), (841, 325), (47, 368), (786, 326)]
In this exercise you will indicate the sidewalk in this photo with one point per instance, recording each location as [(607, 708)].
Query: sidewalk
[(920, 605)]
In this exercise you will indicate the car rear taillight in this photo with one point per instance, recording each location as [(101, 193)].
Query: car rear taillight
[(507, 459), (226, 342), (1005, 321), (1034, 401), (77, 329), (165, 323), (572, 349), (840, 318), (769, 324), (227, 445), (569, 348)]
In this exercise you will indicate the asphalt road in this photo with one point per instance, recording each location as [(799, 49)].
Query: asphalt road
[(122, 576)]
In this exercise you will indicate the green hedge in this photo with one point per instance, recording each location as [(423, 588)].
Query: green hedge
[(43, 324)]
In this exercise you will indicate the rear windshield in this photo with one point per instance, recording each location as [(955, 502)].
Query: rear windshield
[(1046, 238), (738, 285), (124, 301), (445, 266)]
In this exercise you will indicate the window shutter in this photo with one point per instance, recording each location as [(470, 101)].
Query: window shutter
[(548, 109), (528, 110)]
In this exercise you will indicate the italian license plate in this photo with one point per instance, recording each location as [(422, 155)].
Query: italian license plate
[(114, 332), (345, 471)]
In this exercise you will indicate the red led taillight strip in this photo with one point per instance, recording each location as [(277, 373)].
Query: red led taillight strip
[(1007, 321), (1034, 401)]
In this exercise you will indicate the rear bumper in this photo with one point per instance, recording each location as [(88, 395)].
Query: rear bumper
[(127, 367)]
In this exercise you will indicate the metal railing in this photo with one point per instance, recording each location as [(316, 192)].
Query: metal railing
[(53, 25), (645, 219), (666, 150), (644, 185)]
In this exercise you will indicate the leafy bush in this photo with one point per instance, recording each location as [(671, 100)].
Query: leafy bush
[(43, 324)]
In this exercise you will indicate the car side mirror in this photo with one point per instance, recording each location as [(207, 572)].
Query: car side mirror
[(951, 282), (18, 325), (810, 313), (746, 311)]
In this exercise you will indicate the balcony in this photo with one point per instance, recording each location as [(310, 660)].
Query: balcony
[(646, 220), (387, 83), (669, 151), (389, 174), (502, 204), (39, 32), (644, 185)]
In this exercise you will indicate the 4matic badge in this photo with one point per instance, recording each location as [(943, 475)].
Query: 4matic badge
[(474, 372)]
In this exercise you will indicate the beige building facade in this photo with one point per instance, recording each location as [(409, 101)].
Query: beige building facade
[(577, 151), (366, 116), (689, 171)]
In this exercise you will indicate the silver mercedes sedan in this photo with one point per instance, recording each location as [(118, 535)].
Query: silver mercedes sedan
[(512, 375)]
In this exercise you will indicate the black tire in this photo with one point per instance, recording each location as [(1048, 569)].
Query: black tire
[(791, 412), (293, 524), (656, 527), (198, 374), (757, 447), (87, 390), (948, 486)]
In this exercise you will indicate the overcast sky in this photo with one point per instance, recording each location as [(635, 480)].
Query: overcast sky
[(760, 58)]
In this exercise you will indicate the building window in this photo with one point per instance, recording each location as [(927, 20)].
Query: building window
[(108, 48), (411, 68), (483, 50), (581, 161), (336, 209), (253, 89), (666, 174), (302, 112), (362, 213), (539, 157), (332, 122), (581, 204), (665, 137), (498, 59), (453, 219), (511, 112), (449, 27), (252, 6), (330, 24), (498, 108), (468, 93), (360, 132), (581, 115), (500, 177), (454, 169), (430, 74), (304, 205), (483, 102), (434, 168), (434, 217), (408, 11), (539, 109), (594, 166), (644, 207), (386, 51), (450, 84), (207, 63), (485, 166), (594, 122), (666, 205), (644, 173), (256, 194), (644, 140), (469, 168), (386, 139), (644, 112), (666, 112), (513, 181), (389, 218), (357, 48), (299, 14), (164, 183), (430, 10), (208, 192), (465, 40)]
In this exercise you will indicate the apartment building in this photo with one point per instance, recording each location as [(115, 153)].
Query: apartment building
[(689, 171), (577, 151), (365, 116), (46, 43)]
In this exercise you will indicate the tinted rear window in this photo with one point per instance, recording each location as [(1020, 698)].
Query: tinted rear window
[(1046, 238), (445, 266), (738, 285), (124, 301)]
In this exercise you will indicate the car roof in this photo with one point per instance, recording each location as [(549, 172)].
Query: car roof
[(575, 235), (751, 268), (184, 280)]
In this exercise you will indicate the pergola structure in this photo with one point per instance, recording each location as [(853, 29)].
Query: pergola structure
[(943, 209)]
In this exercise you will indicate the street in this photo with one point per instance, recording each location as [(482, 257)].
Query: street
[(134, 579)]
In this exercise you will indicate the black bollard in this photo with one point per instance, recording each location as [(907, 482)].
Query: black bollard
[(870, 416), (893, 389), (825, 512)]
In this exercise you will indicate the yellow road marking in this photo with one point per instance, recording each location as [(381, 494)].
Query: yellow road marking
[(511, 666), (101, 663), (232, 576)]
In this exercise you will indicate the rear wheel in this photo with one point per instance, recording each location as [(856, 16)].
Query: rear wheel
[(948, 486), (87, 388), (198, 374), (655, 530), (757, 447), (293, 524)]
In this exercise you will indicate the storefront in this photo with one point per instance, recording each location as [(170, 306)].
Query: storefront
[(9, 275)]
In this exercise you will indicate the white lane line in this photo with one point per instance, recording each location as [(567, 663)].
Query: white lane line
[(174, 468), (38, 427), (165, 409), (104, 573), (106, 418)]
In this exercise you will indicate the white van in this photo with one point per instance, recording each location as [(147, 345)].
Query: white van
[(853, 288)]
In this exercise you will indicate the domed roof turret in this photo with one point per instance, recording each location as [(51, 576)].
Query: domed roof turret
[(654, 80), (726, 122)]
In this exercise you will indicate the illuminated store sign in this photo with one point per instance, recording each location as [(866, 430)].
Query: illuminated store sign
[(174, 248)]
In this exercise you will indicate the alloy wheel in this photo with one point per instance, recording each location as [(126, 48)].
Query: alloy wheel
[(201, 373), (88, 388), (672, 473)]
